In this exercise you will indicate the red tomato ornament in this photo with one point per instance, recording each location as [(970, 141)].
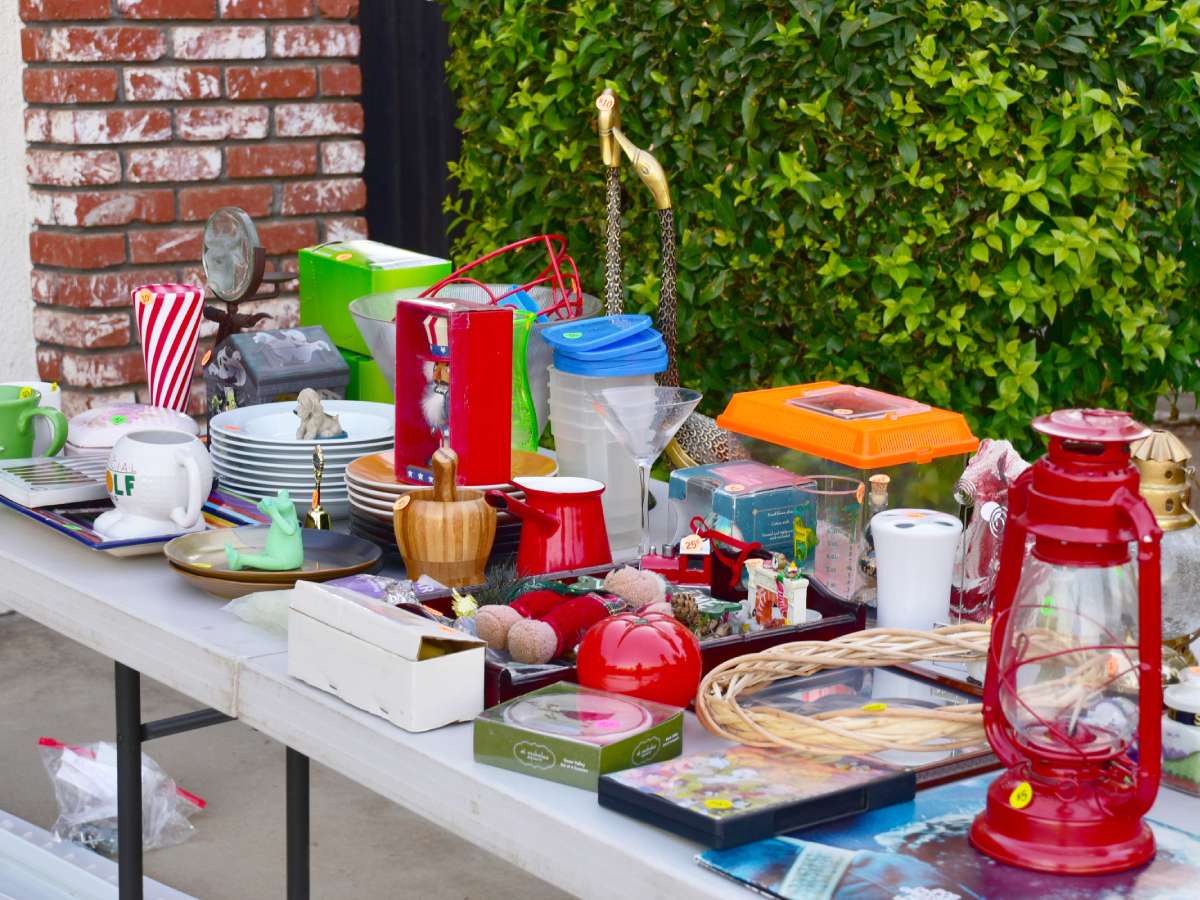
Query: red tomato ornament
[(652, 656)]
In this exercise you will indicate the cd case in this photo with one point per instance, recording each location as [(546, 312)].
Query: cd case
[(741, 794)]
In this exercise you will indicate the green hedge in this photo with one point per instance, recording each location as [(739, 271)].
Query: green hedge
[(986, 206)]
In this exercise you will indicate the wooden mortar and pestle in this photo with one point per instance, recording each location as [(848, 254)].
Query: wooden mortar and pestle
[(445, 533)]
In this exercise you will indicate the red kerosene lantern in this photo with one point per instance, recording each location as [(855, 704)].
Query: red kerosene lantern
[(1073, 668)]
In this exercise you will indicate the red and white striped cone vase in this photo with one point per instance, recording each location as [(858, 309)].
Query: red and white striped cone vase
[(168, 318)]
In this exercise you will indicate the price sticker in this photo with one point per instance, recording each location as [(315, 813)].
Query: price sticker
[(694, 545), (718, 803), (1021, 796), (875, 707), (342, 257)]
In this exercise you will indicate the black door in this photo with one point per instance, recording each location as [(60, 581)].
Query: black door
[(409, 129)]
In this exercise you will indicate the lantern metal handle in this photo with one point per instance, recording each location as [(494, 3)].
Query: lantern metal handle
[(1149, 537), (1012, 551)]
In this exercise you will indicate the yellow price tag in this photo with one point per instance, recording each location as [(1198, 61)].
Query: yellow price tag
[(1021, 796), (875, 707), (718, 803)]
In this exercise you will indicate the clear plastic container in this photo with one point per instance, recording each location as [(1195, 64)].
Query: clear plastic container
[(828, 538), (586, 448)]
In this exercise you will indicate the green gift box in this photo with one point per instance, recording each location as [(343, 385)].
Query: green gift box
[(332, 275), (366, 379), (574, 734)]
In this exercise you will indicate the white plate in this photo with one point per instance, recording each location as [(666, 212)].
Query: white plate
[(270, 485), (337, 507), (263, 489), (290, 456), (279, 453), (283, 469), (275, 423), (333, 445)]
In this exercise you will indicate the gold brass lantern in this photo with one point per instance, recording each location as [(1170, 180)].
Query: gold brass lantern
[(1164, 463)]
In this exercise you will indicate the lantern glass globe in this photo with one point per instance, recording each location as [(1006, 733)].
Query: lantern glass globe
[(1068, 676)]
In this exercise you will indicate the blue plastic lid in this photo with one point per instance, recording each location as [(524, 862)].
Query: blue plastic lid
[(592, 334), (640, 343), (641, 364), (522, 301)]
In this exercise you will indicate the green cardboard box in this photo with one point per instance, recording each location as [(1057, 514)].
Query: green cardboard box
[(573, 735), (366, 379), (331, 275)]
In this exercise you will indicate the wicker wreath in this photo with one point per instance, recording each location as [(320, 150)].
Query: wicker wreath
[(867, 730)]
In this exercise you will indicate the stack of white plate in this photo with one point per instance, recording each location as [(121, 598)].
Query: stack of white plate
[(255, 451)]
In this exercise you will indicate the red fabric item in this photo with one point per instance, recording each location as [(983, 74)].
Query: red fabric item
[(571, 619), (536, 604)]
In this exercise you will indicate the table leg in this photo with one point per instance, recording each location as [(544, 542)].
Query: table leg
[(129, 781), (297, 826)]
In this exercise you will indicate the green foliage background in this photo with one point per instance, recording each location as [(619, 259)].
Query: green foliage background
[(988, 206)]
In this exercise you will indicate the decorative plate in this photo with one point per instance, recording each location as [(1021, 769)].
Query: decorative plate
[(327, 554), (588, 717), (374, 470)]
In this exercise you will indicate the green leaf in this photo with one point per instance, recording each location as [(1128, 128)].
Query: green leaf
[(908, 149), (1039, 202), (749, 111)]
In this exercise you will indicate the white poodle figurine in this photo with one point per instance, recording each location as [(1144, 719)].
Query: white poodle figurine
[(314, 421)]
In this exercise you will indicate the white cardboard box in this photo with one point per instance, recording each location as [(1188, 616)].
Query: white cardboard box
[(414, 672)]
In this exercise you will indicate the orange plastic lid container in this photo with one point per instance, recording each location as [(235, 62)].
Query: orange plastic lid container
[(855, 426)]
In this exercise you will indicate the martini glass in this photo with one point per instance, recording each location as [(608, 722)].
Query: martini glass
[(644, 418)]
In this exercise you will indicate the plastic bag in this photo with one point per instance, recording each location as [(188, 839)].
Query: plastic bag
[(84, 778), (266, 609)]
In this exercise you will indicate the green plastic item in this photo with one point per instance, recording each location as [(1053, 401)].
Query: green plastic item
[(366, 379), (331, 275), (284, 548), (525, 432)]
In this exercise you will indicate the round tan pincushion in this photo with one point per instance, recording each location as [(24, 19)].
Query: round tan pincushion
[(492, 624), (531, 641)]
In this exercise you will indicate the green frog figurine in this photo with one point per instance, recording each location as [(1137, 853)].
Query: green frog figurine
[(285, 543)]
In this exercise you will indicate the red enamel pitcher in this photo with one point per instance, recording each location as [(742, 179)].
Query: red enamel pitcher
[(562, 524)]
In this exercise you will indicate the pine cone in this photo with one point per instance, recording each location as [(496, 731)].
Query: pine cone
[(684, 608)]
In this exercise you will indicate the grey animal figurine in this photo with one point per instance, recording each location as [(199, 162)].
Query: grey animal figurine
[(314, 421)]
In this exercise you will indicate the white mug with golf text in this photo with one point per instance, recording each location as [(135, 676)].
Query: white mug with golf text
[(158, 482)]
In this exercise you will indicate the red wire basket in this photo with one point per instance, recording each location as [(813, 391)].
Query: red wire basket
[(560, 277)]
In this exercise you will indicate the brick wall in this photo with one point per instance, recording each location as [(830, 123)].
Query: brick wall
[(143, 117)]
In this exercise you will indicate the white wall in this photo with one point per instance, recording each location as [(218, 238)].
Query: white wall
[(16, 307)]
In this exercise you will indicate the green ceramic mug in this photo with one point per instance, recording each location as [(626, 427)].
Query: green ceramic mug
[(18, 406)]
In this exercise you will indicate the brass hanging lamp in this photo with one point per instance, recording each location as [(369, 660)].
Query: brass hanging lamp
[(1164, 463), (699, 441)]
